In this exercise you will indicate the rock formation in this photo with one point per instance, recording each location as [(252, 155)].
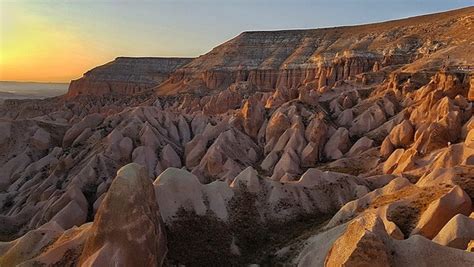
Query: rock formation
[(126, 231), (125, 75), (345, 146)]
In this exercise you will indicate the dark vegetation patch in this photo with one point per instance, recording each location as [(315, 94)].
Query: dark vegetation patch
[(206, 240), (405, 217), (465, 180), (199, 240)]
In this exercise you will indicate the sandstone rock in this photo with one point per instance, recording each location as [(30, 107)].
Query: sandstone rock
[(12, 167), (351, 209), (395, 162), (419, 251), (387, 148), (249, 179), (65, 249), (89, 121), (222, 102), (125, 75), (195, 150), (338, 144), (402, 135), (308, 95), (253, 114), (126, 147), (362, 145), (269, 162), (178, 189), (226, 157), (368, 120), (196, 117), (277, 124), (41, 139), (441, 211), (459, 175), (316, 131), (470, 247), (29, 245), (129, 227), (470, 95), (148, 137), (359, 246), (169, 158), (71, 215), (86, 134), (288, 164), (345, 118), (470, 139), (457, 233), (310, 154), (184, 131), (146, 157)]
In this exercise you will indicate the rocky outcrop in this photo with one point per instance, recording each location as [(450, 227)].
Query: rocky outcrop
[(125, 75), (218, 208), (126, 231), (320, 56)]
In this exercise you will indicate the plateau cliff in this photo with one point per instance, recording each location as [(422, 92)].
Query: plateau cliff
[(125, 75)]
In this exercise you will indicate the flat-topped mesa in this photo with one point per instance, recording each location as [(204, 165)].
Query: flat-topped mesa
[(125, 75), (271, 59)]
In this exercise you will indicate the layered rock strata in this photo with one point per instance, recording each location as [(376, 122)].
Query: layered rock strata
[(125, 75)]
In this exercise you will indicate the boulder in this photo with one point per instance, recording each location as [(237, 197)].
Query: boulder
[(368, 120)]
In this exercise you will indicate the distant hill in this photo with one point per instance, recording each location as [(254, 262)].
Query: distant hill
[(33, 90)]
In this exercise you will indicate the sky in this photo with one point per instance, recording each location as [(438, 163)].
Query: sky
[(58, 40)]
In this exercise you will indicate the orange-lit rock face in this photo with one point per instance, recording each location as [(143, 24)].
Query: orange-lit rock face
[(471, 89), (125, 76), (322, 71)]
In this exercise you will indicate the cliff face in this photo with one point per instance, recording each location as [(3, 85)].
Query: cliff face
[(273, 59), (125, 75)]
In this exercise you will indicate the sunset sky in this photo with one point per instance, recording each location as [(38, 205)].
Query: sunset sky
[(58, 40)]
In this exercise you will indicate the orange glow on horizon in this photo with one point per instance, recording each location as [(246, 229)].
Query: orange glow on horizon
[(34, 49)]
